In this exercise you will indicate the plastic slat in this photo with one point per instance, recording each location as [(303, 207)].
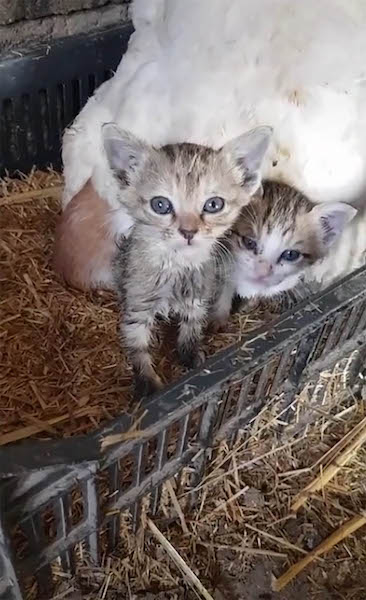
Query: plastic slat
[(34, 531), (160, 462), (62, 510), (91, 515), (114, 520), (361, 325), (9, 584), (334, 334)]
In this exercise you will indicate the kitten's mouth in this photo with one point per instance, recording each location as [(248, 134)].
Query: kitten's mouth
[(265, 282), (196, 248), (261, 281), (191, 244), (184, 244)]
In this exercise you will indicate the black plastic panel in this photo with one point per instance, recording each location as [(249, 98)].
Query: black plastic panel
[(42, 91)]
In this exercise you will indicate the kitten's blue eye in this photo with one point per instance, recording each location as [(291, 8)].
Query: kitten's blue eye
[(290, 255), (214, 205), (249, 243), (161, 205)]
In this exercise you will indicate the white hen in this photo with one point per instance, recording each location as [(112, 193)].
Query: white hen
[(205, 71)]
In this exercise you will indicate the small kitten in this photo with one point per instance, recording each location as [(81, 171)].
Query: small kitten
[(282, 238), (182, 198)]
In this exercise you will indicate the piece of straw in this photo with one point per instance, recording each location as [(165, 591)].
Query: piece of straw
[(42, 425), (337, 536), (332, 469), (26, 432), (131, 434), (245, 550), (177, 506), (276, 539), (191, 578), (27, 196), (225, 503)]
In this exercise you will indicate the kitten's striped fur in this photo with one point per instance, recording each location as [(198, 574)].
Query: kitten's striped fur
[(283, 219), (176, 263)]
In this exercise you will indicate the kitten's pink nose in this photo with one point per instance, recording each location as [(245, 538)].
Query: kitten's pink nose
[(188, 234), (263, 269)]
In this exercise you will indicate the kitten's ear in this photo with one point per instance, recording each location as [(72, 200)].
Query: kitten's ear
[(330, 219), (125, 153), (247, 153)]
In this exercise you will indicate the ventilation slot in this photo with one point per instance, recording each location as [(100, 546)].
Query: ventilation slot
[(29, 133), (76, 96), (9, 129), (60, 106), (92, 84), (44, 112), (108, 74)]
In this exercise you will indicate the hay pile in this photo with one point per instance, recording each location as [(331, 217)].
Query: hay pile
[(62, 371), (243, 533)]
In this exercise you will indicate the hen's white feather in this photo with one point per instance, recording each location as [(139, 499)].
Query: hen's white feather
[(206, 71)]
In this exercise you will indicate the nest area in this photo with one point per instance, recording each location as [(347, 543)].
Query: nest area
[(62, 370), (63, 373)]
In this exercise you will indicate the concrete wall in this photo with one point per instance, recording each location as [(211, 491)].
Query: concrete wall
[(29, 21)]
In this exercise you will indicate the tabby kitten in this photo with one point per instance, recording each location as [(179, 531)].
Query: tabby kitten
[(182, 199), (282, 238)]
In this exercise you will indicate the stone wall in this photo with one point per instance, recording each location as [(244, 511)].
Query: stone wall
[(29, 21)]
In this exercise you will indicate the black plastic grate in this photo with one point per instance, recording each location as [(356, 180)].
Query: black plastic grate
[(43, 91)]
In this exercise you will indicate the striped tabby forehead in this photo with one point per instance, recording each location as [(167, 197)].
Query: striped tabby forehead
[(276, 212), (190, 159), (189, 174)]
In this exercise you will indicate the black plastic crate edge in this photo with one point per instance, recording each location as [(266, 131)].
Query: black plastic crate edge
[(31, 125)]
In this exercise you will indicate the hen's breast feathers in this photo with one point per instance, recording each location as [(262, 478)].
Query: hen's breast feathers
[(207, 71)]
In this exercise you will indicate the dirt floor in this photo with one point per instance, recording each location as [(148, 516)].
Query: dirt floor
[(256, 585)]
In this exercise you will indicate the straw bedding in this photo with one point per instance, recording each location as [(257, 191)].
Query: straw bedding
[(62, 370), (63, 373)]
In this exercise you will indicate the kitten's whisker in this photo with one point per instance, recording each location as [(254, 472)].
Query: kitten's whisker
[(220, 246), (223, 258)]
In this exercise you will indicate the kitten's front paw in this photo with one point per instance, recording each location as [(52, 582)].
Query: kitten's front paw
[(191, 359), (251, 305), (237, 304), (146, 386), (220, 325)]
